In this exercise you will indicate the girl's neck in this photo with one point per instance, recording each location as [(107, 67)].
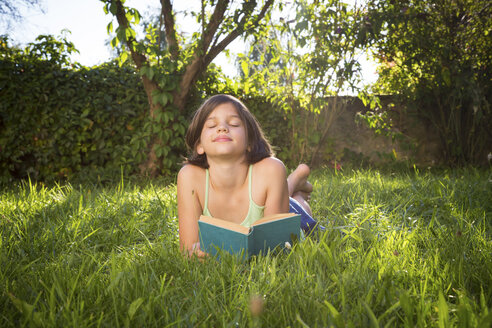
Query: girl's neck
[(227, 175)]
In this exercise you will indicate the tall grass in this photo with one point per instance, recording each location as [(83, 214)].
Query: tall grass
[(404, 249)]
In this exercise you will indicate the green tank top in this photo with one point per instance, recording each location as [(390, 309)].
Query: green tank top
[(255, 212)]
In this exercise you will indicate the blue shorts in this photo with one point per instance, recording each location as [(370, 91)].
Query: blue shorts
[(307, 222)]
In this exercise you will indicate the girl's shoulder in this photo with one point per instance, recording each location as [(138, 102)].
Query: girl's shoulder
[(270, 167), (190, 172)]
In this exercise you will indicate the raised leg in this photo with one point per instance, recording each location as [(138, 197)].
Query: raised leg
[(297, 181), (299, 187)]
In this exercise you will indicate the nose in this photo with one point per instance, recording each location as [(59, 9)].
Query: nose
[(222, 127)]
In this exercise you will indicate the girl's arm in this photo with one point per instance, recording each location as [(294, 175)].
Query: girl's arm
[(274, 173), (189, 210)]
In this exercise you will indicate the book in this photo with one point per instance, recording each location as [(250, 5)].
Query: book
[(266, 233)]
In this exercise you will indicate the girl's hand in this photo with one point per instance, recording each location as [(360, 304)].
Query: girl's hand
[(196, 251)]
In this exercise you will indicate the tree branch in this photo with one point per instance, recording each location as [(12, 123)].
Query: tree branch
[(170, 30), (213, 24), (217, 49), (195, 67), (138, 58), (203, 59)]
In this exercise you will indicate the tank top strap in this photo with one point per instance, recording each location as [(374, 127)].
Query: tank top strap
[(250, 179), (205, 205)]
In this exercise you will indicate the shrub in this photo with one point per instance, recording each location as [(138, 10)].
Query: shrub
[(57, 118)]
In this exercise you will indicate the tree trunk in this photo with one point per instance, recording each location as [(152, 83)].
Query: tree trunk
[(151, 166)]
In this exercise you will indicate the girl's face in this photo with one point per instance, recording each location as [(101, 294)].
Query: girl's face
[(223, 134)]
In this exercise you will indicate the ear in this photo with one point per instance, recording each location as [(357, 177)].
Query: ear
[(199, 149)]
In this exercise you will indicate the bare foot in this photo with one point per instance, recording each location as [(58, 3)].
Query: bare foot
[(306, 188), (297, 180)]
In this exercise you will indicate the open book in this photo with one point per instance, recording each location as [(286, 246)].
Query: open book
[(266, 233)]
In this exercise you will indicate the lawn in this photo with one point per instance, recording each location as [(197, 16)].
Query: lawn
[(401, 249)]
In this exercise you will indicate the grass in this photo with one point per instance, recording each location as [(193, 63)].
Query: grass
[(401, 250)]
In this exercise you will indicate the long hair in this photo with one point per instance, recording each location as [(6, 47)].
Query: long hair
[(258, 146)]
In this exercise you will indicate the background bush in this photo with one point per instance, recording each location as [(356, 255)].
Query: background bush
[(57, 118)]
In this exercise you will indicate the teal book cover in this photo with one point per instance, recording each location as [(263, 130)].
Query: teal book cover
[(266, 233)]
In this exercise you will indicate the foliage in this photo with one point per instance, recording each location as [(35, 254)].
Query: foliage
[(402, 249), (305, 61), (436, 55), (57, 118)]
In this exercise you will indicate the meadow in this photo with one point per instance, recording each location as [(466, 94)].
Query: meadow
[(401, 249)]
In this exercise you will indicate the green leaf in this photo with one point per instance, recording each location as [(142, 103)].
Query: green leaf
[(144, 71), (130, 33), (26, 309), (123, 58), (163, 98), (446, 76), (245, 68), (121, 34), (372, 316), (114, 42), (150, 73), (110, 27), (136, 16), (165, 117), (132, 309), (443, 312), (158, 151), (337, 318)]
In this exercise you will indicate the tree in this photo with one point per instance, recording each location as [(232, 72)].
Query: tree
[(168, 74), (307, 59), (436, 56), (10, 10)]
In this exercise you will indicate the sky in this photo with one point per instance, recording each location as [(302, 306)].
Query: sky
[(85, 19), (87, 22)]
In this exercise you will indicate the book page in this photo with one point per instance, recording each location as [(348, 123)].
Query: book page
[(225, 224), (273, 217)]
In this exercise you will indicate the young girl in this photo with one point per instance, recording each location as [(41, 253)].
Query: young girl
[(231, 173)]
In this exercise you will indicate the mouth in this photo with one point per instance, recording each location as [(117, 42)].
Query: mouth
[(222, 139)]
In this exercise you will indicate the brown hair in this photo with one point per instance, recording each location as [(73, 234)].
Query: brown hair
[(258, 146)]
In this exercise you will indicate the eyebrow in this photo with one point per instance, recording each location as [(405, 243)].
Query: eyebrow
[(229, 117)]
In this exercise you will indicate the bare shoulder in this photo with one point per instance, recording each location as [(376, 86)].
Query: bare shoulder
[(270, 167), (190, 189), (190, 173)]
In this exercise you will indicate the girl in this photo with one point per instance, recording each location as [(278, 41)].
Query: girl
[(231, 173)]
